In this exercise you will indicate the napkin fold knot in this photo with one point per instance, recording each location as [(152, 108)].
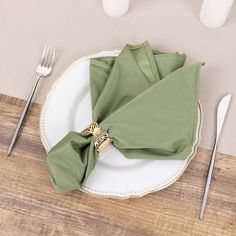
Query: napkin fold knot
[(101, 136)]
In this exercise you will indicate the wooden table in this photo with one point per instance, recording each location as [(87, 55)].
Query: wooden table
[(30, 206)]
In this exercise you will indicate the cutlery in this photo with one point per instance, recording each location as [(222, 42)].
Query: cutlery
[(44, 69), (221, 114)]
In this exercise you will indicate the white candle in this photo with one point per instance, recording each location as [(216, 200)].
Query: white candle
[(115, 8), (214, 13)]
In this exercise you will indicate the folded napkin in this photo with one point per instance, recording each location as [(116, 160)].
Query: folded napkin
[(146, 101)]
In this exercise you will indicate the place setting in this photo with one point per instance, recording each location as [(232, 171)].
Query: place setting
[(122, 123), (117, 118)]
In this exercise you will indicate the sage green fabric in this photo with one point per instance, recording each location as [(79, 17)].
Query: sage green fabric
[(147, 101)]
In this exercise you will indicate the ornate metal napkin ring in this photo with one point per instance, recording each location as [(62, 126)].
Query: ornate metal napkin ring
[(101, 136)]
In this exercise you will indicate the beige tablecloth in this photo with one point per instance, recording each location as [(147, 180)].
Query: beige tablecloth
[(78, 27)]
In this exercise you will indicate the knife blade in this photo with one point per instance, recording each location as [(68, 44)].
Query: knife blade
[(221, 114)]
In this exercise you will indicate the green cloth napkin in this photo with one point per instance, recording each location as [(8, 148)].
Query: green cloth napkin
[(147, 102)]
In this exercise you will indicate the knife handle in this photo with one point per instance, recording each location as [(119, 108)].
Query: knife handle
[(208, 181)]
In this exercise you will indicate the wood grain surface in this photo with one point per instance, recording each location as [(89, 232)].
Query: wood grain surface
[(29, 205)]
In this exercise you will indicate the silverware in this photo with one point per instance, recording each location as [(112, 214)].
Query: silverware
[(44, 69), (221, 114)]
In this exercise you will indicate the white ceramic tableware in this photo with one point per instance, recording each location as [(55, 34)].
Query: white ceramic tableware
[(68, 107)]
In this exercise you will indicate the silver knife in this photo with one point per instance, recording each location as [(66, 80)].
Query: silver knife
[(221, 114)]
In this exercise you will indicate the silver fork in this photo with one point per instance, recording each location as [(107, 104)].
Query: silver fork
[(44, 69)]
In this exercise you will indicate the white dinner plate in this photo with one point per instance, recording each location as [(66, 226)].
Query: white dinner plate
[(68, 108)]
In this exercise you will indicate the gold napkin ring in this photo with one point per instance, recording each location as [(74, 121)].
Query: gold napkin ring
[(101, 136)]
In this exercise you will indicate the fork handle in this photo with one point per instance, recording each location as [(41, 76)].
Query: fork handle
[(23, 115)]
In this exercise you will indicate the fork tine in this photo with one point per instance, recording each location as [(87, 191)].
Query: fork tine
[(50, 57), (45, 56), (50, 52), (53, 57)]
